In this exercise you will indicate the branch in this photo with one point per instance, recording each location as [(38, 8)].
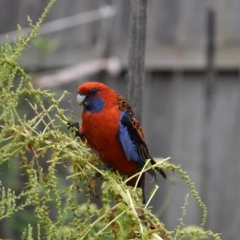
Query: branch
[(80, 70)]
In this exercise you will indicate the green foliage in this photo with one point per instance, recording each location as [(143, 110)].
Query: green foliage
[(34, 141), (45, 45)]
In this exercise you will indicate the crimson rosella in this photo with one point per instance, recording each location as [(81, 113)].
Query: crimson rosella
[(109, 125)]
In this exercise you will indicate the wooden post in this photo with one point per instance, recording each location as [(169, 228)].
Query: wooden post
[(209, 82), (136, 57), (210, 50)]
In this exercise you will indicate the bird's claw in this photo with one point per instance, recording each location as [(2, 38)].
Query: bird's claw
[(105, 166), (74, 126)]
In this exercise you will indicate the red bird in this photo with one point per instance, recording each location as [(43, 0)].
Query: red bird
[(110, 128)]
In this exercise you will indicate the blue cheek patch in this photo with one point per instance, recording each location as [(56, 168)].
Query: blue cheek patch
[(94, 105), (128, 145)]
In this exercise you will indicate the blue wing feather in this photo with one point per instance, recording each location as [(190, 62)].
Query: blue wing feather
[(132, 141), (127, 143)]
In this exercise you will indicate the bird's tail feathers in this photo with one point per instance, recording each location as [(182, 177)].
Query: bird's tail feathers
[(141, 184), (158, 169), (153, 174)]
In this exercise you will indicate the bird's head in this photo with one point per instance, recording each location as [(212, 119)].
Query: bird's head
[(93, 96)]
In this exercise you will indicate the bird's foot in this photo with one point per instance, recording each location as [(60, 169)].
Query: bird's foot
[(74, 126), (105, 166)]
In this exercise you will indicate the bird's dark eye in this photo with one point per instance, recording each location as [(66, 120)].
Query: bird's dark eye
[(93, 90)]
